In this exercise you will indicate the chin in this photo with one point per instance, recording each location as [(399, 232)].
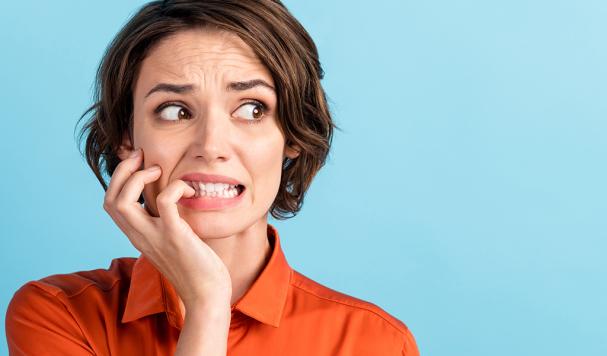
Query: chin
[(215, 227)]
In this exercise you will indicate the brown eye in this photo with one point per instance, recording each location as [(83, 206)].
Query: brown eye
[(252, 111), (257, 112), (174, 112)]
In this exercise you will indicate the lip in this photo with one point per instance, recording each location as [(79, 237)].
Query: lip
[(214, 178), (211, 203)]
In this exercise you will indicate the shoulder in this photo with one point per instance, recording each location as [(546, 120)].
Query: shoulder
[(352, 313), (326, 295), (72, 284), (72, 293), (52, 310)]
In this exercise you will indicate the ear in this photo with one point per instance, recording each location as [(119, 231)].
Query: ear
[(292, 151), (125, 148)]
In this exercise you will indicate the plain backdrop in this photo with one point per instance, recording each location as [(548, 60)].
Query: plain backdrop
[(466, 195)]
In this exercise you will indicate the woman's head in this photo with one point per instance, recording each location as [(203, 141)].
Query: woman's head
[(244, 83)]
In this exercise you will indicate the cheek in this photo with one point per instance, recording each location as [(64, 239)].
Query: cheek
[(158, 151), (157, 148), (265, 165)]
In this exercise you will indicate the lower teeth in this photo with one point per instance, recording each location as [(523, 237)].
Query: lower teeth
[(206, 195)]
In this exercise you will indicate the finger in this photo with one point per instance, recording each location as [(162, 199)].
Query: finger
[(121, 174), (127, 201), (166, 202)]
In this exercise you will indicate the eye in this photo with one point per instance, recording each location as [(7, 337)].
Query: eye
[(172, 112), (252, 111)]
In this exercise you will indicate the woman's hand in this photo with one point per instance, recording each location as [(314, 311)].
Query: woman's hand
[(199, 276)]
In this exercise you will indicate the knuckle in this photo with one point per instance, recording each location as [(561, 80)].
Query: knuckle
[(107, 204), (161, 198), (121, 207)]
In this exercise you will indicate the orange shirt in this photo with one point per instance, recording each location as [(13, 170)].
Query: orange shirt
[(132, 309)]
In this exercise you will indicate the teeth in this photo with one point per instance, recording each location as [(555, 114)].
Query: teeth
[(221, 190)]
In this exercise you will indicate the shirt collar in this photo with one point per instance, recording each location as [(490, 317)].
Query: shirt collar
[(150, 292)]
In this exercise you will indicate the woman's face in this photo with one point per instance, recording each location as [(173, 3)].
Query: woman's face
[(208, 120)]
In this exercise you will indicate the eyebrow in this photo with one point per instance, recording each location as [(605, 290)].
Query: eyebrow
[(239, 86), (171, 88), (187, 88)]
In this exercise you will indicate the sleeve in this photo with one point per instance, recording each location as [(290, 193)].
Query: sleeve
[(410, 346), (39, 323)]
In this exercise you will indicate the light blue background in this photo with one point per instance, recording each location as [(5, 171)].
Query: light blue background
[(466, 195)]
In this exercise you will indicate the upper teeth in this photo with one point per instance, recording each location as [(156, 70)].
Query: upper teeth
[(212, 187)]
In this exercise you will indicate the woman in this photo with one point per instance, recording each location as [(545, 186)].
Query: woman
[(211, 114)]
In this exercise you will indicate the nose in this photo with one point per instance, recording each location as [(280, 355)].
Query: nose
[(211, 136)]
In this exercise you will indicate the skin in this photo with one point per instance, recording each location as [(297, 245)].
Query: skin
[(210, 257)]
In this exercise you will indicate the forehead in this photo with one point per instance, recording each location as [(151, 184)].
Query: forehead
[(199, 55)]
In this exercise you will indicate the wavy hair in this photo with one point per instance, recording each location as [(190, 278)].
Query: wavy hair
[(277, 38)]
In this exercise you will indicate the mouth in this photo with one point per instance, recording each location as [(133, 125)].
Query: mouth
[(216, 190), (214, 196), (213, 185)]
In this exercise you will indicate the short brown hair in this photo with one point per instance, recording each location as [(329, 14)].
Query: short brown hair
[(280, 42)]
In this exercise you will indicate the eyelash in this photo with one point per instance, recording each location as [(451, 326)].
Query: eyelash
[(161, 107)]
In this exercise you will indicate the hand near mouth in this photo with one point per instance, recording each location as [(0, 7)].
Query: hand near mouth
[(198, 275)]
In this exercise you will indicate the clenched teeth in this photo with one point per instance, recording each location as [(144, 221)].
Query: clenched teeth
[(221, 190)]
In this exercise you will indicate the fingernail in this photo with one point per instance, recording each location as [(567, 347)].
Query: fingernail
[(154, 168), (135, 153)]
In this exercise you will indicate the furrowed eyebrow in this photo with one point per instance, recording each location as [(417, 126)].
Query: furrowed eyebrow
[(171, 88), (187, 88), (240, 86)]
